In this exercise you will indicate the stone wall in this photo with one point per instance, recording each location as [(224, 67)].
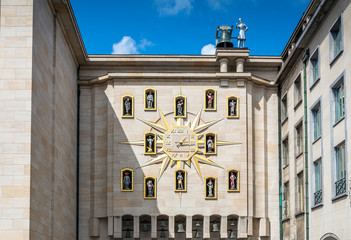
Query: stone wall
[(16, 29), (102, 129), (54, 129)]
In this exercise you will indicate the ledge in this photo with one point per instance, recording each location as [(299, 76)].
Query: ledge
[(297, 105), (340, 120), (314, 141), (336, 57), (315, 83), (343, 195), (299, 214), (177, 75), (317, 206)]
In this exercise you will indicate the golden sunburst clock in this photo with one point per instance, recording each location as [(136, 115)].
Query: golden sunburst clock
[(178, 143)]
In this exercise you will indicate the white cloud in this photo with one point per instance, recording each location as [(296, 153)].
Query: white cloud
[(218, 4), (208, 49), (144, 43), (173, 7), (128, 46)]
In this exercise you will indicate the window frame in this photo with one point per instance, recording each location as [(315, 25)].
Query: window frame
[(316, 109), (286, 199), (300, 193), (314, 64), (333, 54), (297, 91), (284, 107), (340, 81), (285, 151), (299, 139)]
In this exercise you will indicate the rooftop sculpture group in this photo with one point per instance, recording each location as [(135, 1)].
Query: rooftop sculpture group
[(225, 36)]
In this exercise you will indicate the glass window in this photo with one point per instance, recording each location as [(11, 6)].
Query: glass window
[(316, 114), (284, 108), (286, 200), (297, 90), (340, 162), (314, 67), (339, 101), (300, 193), (317, 175), (335, 39), (340, 183), (299, 140), (285, 146)]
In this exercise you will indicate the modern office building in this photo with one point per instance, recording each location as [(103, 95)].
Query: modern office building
[(224, 146)]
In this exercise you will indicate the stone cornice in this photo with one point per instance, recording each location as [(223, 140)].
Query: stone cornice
[(188, 76)]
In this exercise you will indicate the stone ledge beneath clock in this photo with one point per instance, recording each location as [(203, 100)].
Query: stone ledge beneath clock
[(188, 76)]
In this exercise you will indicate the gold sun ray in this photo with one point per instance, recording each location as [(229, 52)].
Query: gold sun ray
[(166, 160), (153, 125), (197, 168), (164, 119), (223, 143), (163, 167), (138, 142), (154, 160), (206, 125), (196, 120), (206, 160)]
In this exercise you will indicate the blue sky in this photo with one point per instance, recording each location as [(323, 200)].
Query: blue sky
[(183, 26)]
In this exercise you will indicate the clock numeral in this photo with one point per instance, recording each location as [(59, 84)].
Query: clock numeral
[(174, 155), (180, 130), (192, 142), (167, 136), (173, 130), (187, 155), (181, 155), (169, 149), (168, 142), (192, 149)]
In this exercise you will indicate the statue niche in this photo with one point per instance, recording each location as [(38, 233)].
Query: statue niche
[(210, 188), (210, 99), (210, 143), (127, 106), (127, 180), (149, 187), (180, 180), (233, 180), (232, 107), (180, 106), (150, 99), (149, 143)]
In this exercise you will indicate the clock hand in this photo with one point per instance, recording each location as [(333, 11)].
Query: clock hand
[(182, 141)]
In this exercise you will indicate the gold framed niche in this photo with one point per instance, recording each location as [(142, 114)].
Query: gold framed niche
[(180, 180), (233, 178), (210, 99), (150, 187), (208, 137), (150, 139), (232, 107), (180, 106), (150, 99), (127, 180), (127, 106), (211, 188)]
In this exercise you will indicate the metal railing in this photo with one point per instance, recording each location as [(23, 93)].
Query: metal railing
[(318, 197), (340, 187)]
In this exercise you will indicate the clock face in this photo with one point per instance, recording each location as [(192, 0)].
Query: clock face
[(180, 143)]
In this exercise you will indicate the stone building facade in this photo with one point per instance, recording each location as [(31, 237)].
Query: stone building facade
[(66, 138)]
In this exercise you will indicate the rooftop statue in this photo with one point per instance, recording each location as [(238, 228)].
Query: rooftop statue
[(224, 35), (242, 29)]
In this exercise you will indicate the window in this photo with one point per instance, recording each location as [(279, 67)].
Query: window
[(300, 193), (286, 200), (285, 146), (317, 182), (299, 140), (340, 184), (297, 90), (339, 101), (316, 117), (284, 108), (335, 40), (314, 67)]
